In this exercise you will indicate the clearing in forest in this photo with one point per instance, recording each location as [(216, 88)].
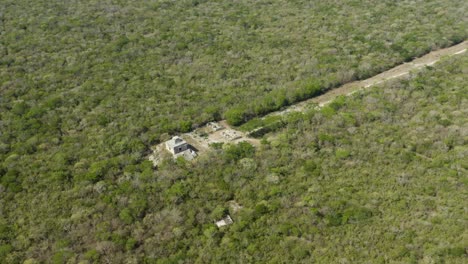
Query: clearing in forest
[(222, 132)]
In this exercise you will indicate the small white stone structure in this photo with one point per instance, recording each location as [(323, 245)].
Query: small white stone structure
[(180, 148), (176, 145), (230, 135), (215, 126), (224, 222)]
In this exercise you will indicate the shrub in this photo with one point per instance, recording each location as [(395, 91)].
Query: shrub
[(92, 255), (5, 250), (342, 153), (239, 151), (126, 216), (235, 116)]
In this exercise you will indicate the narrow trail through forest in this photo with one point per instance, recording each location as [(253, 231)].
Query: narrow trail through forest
[(396, 72), (401, 70), (202, 137)]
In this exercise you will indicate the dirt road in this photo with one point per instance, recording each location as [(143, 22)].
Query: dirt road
[(398, 71)]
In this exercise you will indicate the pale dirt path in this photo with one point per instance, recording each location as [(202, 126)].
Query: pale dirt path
[(202, 143), (398, 71)]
